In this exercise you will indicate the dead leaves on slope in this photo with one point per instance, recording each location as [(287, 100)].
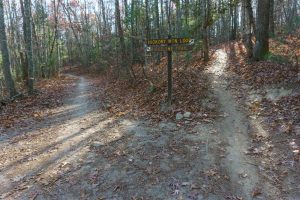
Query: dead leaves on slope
[(190, 85)]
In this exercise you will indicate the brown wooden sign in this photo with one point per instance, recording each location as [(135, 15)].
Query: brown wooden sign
[(169, 45)]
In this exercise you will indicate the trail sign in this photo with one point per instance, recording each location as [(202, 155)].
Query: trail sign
[(170, 44), (169, 48), (169, 41)]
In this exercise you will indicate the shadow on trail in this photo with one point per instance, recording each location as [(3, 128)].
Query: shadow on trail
[(73, 108), (53, 138), (46, 148)]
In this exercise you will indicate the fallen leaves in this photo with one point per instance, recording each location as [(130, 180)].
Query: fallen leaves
[(258, 74), (190, 85), (277, 115), (34, 108)]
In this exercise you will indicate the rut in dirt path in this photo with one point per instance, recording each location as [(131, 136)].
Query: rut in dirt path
[(235, 129)]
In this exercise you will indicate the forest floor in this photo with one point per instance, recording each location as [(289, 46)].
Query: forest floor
[(77, 147)]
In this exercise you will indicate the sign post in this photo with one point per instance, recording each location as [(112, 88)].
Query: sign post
[(169, 73), (169, 45)]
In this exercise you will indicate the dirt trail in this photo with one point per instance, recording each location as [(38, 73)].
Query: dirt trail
[(81, 153), (235, 130), (38, 152)]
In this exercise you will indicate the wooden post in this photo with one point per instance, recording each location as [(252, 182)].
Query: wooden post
[(169, 73), (170, 44)]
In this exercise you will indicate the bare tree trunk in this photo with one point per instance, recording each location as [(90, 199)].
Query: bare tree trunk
[(249, 27), (272, 23), (126, 10), (162, 16), (186, 12), (103, 17), (122, 41), (157, 25), (147, 19), (233, 20), (56, 8), (205, 11), (10, 84), (178, 17), (132, 12), (28, 42), (262, 29), (157, 18)]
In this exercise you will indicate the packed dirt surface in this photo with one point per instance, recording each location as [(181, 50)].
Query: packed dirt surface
[(82, 152)]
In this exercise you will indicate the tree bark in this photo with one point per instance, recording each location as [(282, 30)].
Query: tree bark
[(10, 84), (178, 18), (262, 30), (147, 19), (233, 19), (103, 17), (122, 41), (272, 23), (157, 25), (205, 25), (249, 27), (186, 12), (28, 42)]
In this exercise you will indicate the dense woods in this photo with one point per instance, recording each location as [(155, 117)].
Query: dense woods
[(40, 36)]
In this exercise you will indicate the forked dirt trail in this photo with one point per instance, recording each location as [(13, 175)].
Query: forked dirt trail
[(81, 152)]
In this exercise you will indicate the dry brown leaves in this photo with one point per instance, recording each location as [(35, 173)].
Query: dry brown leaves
[(189, 87), (258, 74), (281, 117), (283, 114), (34, 108)]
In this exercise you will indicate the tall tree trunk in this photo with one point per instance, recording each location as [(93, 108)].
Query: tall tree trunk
[(249, 27), (233, 19), (178, 17), (262, 29), (28, 42), (147, 19), (126, 10), (162, 15), (132, 13), (157, 18), (272, 21), (168, 14), (205, 25), (10, 84), (103, 17), (122, 41), (186, 12), (157, 25)]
